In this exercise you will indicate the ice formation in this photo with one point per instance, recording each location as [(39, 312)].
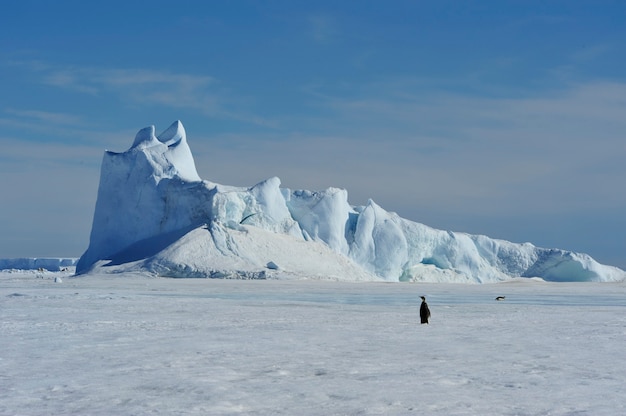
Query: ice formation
[(154, 213), (34, 263)]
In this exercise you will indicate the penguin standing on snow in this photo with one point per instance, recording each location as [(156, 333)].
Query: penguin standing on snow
[(424, 311)]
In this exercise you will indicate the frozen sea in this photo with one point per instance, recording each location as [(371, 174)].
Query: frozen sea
[(137, 345)]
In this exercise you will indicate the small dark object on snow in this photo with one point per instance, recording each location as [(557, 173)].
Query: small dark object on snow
[(500, 297), (424, 311)]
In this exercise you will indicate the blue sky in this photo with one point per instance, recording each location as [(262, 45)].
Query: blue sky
[(503, 118)]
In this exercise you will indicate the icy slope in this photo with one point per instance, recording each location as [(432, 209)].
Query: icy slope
[(154, 213)]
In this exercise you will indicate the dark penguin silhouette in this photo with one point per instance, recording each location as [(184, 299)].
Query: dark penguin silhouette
[(424, 311), (500, 297)]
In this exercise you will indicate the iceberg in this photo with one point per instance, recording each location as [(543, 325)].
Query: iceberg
[(155, 214)]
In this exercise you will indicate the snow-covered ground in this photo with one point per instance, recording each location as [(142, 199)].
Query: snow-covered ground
[(134, 345)]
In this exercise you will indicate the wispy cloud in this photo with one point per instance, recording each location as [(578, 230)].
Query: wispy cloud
[(201, 93), (322, 28), (96, 79), (591, 52), (140, 84), (491, 153), (45, 116)]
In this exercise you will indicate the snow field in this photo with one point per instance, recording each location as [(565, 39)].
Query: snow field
[(130, 344)]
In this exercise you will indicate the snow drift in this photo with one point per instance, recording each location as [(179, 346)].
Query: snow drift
[(154, 213)]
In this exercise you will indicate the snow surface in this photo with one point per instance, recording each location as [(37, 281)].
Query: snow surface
[(154, 213), (136, 345)]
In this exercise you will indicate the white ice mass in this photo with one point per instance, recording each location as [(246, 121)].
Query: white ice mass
[(154, 213)]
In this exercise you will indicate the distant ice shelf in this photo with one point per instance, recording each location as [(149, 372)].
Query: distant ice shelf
[(36, 263)]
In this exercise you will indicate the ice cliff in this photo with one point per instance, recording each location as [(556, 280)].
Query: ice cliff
[(154, 213)]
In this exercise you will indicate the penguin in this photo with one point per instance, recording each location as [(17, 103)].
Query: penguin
[(424, 311), (500, 297)]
